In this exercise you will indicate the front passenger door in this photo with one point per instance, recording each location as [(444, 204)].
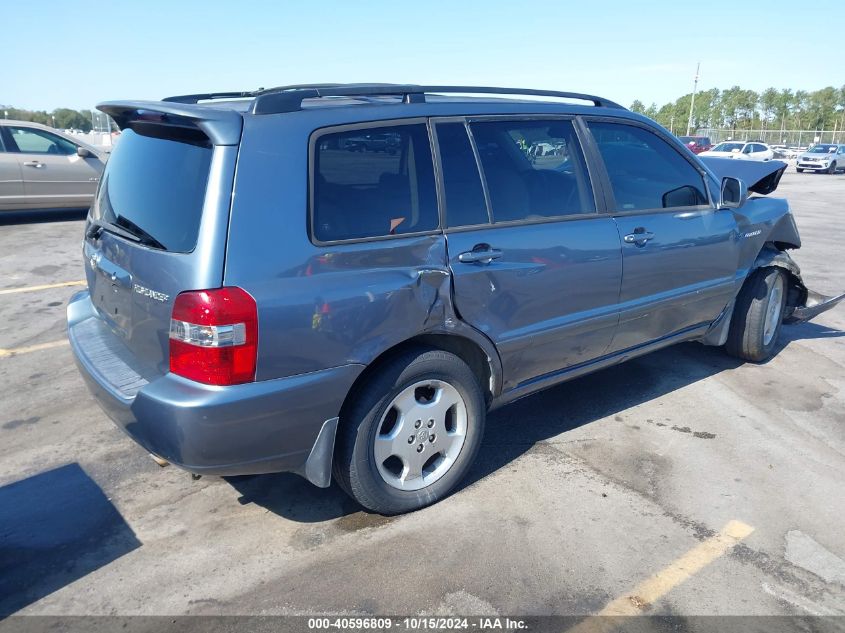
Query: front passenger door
[(679, 252)]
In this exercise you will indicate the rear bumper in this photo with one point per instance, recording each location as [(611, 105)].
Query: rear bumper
[(261, 427)]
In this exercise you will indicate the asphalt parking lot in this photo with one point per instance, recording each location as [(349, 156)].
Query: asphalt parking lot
[(681, 483)]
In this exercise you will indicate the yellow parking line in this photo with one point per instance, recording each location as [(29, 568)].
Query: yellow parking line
[(16, 351), (648, 592), (8, 291)]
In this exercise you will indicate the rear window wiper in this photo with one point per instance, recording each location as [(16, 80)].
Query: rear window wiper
[(125, 229)]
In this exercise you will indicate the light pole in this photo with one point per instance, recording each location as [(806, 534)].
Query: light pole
[(5, 114), (692, 101), (53, 119)]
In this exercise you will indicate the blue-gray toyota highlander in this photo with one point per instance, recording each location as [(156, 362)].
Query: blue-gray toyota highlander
[(341, 280)]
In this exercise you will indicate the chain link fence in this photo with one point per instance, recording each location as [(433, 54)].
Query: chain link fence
[(789, 138)]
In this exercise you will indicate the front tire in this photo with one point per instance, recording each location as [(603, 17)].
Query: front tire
[(411, 433), (758, 316), (799, 170), (832, 168)]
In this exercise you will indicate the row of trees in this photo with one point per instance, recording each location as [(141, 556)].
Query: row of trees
[(61, 118), (734, 109), (739, 109)]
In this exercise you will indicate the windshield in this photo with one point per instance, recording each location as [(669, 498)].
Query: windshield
[(822, 149), (155, 188), (728, 147), (686, 140)]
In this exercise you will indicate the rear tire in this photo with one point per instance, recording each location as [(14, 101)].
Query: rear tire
[(758, 316), (422, 397), (799, 170)]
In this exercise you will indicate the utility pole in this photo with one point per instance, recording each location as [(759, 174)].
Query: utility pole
[(692, 101)]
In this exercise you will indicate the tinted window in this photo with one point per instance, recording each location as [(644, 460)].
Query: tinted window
[(533, 169), (645, 171), (465, 204), (34, 141), (158, 186), (374, 182)]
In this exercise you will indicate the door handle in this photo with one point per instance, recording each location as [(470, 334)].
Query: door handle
[(639, 237), (480, 255), (33, 163)]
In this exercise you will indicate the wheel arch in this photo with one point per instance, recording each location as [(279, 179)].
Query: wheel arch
[(476, 351), (773, 255)]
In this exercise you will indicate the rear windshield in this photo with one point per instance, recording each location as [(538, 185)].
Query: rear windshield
[(156, 185)]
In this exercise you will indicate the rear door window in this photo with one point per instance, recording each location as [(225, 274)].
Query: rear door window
[(645, 171), (156, 186), (373, 182), (534, 169), (465, 202)]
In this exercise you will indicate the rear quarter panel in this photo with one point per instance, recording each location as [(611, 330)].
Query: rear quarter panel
[(321, 306)]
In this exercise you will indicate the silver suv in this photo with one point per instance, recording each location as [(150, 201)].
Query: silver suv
[(825, 157)]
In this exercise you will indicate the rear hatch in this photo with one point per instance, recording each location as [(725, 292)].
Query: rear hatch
[(158, 224)]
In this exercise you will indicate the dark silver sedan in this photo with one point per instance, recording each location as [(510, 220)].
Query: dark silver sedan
[(43, 168)]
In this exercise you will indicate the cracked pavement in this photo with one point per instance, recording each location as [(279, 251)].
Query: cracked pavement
[(579, 494)]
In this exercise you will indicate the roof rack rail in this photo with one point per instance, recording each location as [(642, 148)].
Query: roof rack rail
[(209, 96), (290, 98)]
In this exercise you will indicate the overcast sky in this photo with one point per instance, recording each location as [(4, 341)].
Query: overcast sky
[(76, 54)]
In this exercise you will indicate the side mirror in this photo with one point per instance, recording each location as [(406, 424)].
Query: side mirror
[(735, 150), (83, 152), (734, 193)]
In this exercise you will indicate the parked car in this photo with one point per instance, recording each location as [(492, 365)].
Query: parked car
[(825, 157), (43, 168), (696, 144), (783, 152), (353, 315), (384, 142), (754, 150)]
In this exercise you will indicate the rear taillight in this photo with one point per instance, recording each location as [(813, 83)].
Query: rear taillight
[(214, 336)]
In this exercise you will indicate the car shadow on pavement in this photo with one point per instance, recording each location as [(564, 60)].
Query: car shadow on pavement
[(806, 331), (55, 527), (292, 497), (8, 218), (516, 428)]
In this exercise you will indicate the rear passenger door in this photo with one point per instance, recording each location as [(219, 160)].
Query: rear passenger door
[(534, 267), (679, 251)]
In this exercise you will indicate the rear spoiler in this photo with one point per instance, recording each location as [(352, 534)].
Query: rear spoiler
[(223, 127), (760, 176)]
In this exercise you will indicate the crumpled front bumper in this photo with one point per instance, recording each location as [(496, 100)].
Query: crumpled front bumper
[(813, 305)]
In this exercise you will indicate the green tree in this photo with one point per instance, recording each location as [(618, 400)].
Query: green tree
[(768, 104), (71, 119)]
